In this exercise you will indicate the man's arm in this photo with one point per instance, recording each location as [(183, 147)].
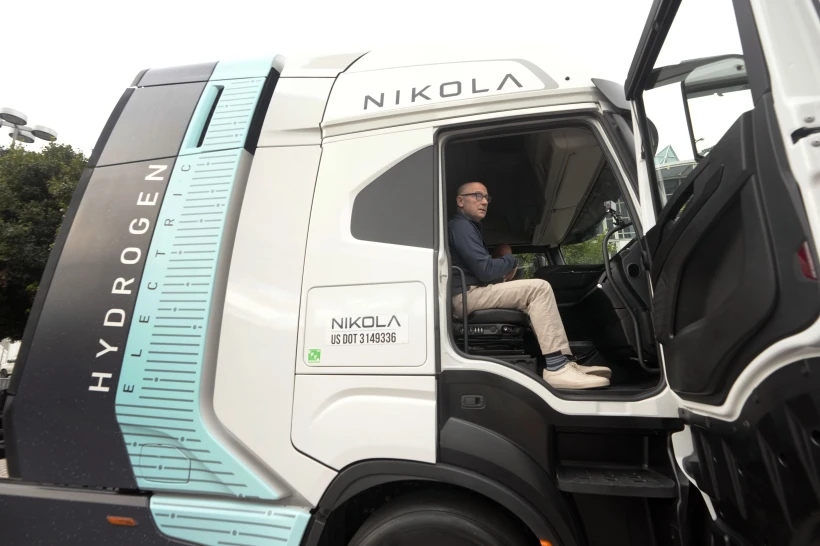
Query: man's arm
[(468, 245)]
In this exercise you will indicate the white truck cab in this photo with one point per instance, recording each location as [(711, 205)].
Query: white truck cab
[(245, 332)]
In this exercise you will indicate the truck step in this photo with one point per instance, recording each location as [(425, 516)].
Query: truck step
[(618, 481)]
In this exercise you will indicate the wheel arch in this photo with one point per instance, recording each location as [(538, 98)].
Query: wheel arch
[(369, 475)]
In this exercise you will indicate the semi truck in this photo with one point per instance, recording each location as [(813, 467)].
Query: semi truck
[(245, 334)]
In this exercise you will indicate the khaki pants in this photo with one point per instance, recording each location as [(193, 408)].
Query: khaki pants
[(534, 297)]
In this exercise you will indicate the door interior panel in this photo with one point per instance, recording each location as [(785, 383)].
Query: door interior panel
[(570, 283), (724, 262)]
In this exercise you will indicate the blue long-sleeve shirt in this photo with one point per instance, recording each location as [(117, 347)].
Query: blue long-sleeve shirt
[(468, 252)]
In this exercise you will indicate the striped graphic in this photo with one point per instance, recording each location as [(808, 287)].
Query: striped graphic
[(226, 523), (158, 400)]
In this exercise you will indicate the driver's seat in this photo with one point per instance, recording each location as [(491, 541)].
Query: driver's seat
[(505, 334), (506, 316)]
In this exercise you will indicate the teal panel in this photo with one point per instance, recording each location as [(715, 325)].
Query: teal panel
[(231, 118), (251, 68), (228, 523), (158, 396)]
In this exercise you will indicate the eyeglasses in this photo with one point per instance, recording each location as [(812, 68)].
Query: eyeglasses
[(478, 196)]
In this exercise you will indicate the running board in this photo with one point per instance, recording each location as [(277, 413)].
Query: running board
[(617, 481)]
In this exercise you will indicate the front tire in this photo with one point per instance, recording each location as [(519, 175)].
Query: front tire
[(439, 518)]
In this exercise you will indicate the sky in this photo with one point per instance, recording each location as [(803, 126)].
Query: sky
[(67, 63), (71, 61)]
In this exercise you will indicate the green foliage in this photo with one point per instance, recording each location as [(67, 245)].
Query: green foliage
[(35, 190), (526, 263), (587, 253)]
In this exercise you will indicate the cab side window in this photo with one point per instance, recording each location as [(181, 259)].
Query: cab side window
[(590, 251), (398, 207)]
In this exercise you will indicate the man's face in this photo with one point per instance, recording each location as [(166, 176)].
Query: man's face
[(474, 200)]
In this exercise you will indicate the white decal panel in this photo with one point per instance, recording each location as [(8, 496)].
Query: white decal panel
[(366, 325)]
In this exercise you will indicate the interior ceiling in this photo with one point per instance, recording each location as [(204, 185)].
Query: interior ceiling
[(538, 182)]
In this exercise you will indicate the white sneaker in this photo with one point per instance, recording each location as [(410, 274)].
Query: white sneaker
[(600, 371), (570, 377)]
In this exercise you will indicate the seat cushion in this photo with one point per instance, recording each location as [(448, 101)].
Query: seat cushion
[(499, 316)]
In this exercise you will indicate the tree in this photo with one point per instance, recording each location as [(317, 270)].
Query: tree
[(35, 190), (588, 252)]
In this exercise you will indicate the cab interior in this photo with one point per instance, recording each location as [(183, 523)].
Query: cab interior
[(551, 189)]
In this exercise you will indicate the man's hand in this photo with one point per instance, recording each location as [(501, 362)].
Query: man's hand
[(500, 251)]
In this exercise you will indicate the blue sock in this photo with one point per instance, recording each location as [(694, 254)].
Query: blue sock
[(556, 361)]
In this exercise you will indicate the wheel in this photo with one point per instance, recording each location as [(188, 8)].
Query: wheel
[(4, 373), (439, 518)]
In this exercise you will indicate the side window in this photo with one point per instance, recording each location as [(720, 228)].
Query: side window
[(528, 264), (398, 206), (701, 90), (584, 243), (590, 252)]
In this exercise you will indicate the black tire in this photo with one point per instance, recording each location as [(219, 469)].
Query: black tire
[(439, 518)]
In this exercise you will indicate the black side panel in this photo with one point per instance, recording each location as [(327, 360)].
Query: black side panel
[(511, 436), (491, 454), (152, 123), (61, 406), (725, 266), (106, 132), (72, 349), (762, 471), (53, 258), (258, 119), (409, 186), (362, 476), (175, 74), (48, 276), (34, 516)]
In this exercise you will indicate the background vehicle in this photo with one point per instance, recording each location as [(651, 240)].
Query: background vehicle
[(244, 334), (8, 356)]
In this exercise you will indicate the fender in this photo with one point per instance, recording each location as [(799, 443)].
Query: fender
[(364, 475)]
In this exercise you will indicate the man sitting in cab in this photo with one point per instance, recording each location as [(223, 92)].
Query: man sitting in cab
[(490, 285)]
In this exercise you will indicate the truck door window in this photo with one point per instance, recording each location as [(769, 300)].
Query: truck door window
[(398, 206), (585, 245), (702, 89)]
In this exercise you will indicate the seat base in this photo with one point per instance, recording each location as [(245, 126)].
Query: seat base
[(495, 316), (498, 333), (493, 339)]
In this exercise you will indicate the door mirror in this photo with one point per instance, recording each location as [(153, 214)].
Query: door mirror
[(653, 137), (715, 95)]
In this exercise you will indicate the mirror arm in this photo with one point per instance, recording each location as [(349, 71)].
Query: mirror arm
[(617, 219), (692, 141)]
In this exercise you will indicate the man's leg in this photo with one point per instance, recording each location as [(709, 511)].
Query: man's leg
[(532, 296), (535, 297)]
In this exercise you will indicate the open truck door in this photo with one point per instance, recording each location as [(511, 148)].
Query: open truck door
[(730, 184)]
